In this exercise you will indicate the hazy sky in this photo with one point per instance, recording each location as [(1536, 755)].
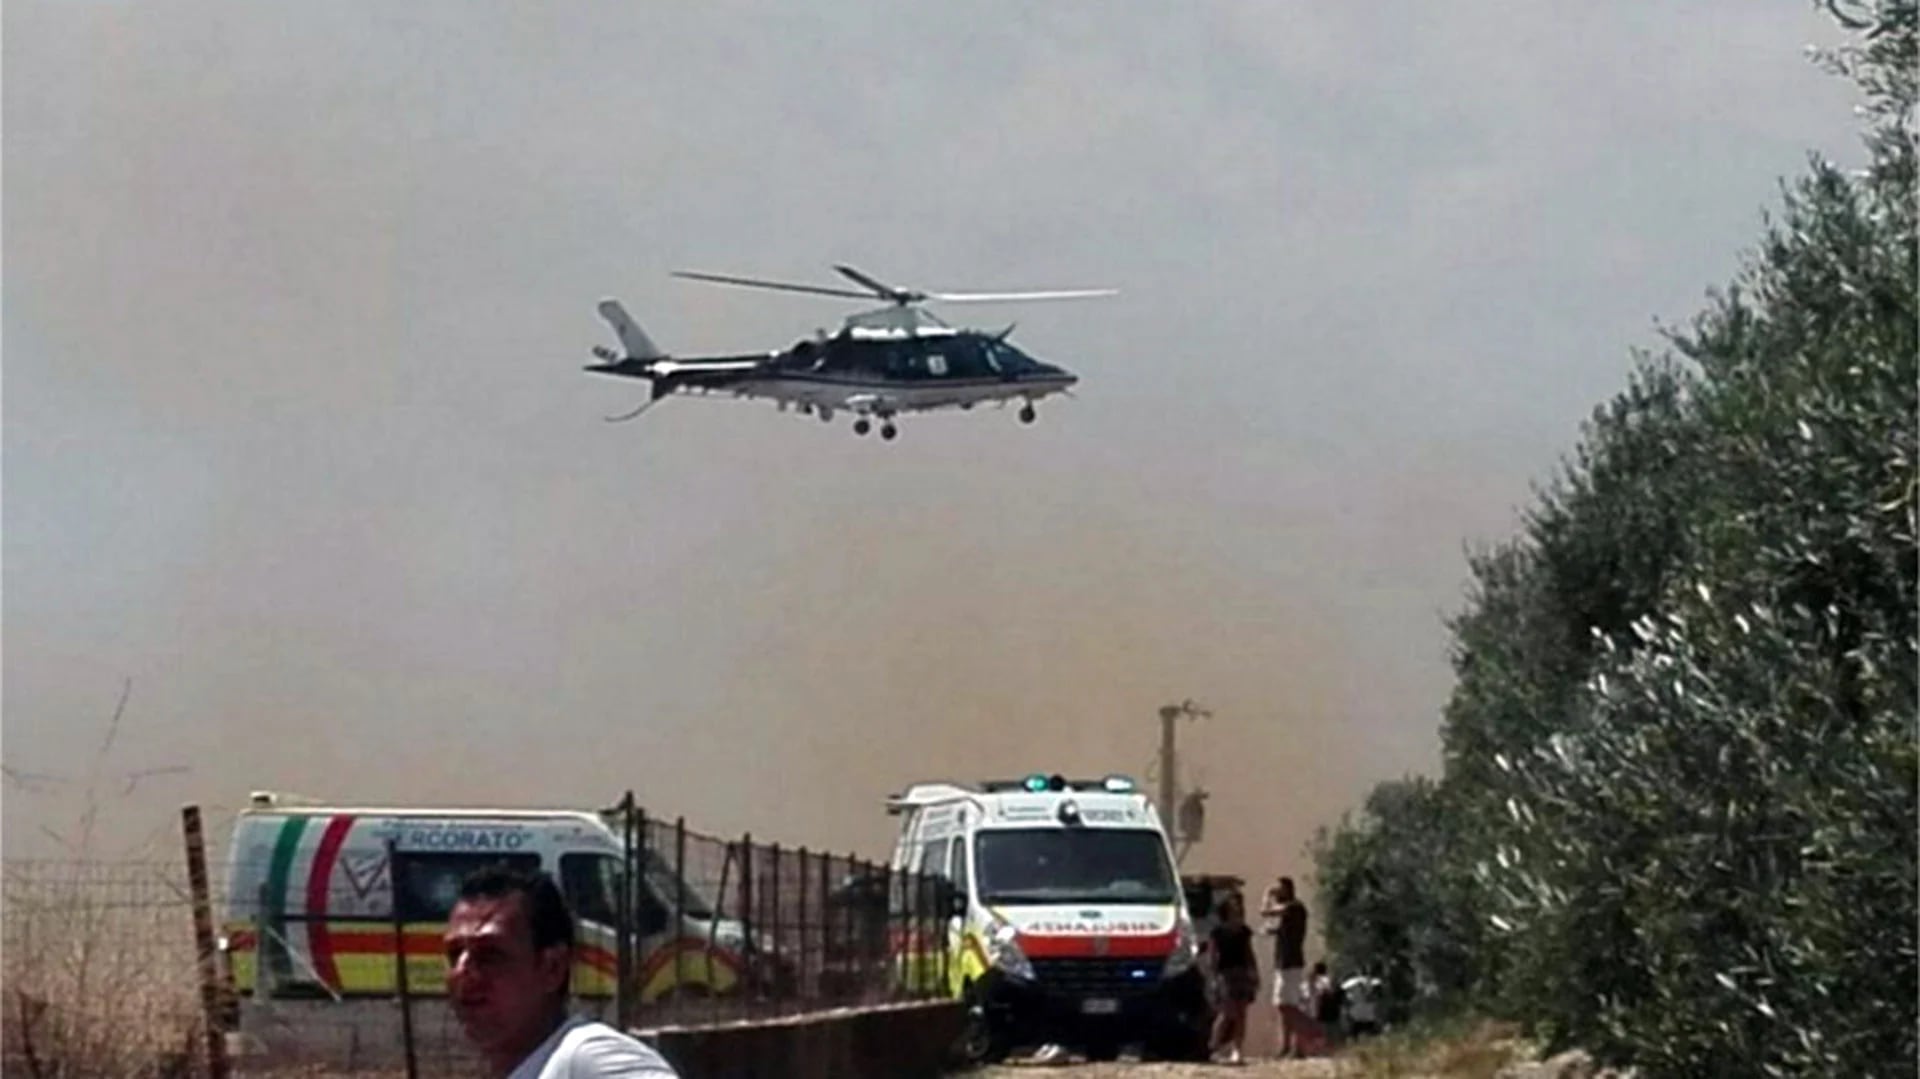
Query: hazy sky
[(297, 439)]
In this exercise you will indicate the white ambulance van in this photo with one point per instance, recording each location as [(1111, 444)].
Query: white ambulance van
[(1067, 925), (311, 891)]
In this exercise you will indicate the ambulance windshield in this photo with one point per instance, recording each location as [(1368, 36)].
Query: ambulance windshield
[(1073, 865), (670, 889)]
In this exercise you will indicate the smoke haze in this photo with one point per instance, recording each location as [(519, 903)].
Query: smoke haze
[(297, 440)]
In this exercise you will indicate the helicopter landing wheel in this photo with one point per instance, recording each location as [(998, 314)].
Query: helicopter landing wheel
[(862, 426), (1028, 415), (888, 431)]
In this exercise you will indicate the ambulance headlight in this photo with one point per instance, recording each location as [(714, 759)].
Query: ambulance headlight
[(1003, 948), (1186, 948)]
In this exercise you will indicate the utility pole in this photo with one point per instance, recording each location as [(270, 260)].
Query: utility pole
[(1170, 757)]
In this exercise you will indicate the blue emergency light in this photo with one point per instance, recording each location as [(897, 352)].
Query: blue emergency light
[(1040, 781)]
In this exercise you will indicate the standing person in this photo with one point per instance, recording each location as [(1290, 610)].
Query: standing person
[(1328, 1000), (509, 942), (1288, 916), (1236, 978)]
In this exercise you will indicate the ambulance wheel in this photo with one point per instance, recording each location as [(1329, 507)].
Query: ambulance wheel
[(983, 1041)]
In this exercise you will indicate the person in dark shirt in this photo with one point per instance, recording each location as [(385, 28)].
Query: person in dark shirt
[(1236, 978), (1288, 917)]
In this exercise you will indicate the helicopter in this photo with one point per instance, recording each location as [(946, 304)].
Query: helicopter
[(882, 362)]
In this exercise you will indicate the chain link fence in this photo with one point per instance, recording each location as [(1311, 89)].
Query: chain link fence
[(99, 969), (765, 930)]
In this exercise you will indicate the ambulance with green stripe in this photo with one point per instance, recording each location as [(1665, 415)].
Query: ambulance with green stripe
[(311, 893), (1066, 924)]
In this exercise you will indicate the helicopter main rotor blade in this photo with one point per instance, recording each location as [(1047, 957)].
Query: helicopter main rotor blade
[(880, 288), (1010, 297), (786, 286)]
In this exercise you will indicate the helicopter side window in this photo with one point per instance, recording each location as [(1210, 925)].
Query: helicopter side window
[(853, 357), (969, 357), (863, 359), (936, 364), (904, 361)]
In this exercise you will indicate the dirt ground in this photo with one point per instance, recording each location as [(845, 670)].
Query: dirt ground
[(1480, 1050), (1254, 1068)]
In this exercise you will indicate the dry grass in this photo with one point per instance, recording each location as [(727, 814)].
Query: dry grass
[(1459, 1049), (98, 976)]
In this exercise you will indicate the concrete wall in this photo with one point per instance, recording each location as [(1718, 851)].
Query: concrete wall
[(892, 1040)]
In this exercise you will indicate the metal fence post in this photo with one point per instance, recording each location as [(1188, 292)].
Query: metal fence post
[(636, 887), (941, 928), (773, 914), (913, 932), (929, 899), (400, 960), (826, 915), (890, 937), (748, 921), (203, 940), (679, 904), (713, 923), (942, 922), (855, 929), (800, 927), (623, 922)]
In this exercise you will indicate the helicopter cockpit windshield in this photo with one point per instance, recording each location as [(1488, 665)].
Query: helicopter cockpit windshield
[(1003, 359)]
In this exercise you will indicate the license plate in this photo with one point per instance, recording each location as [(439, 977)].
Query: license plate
[(1100, 1006)]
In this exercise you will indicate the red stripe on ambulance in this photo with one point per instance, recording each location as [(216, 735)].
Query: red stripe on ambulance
[(319, 879)]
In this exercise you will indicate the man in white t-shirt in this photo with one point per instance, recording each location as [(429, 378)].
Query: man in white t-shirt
[(1363, 1004), (509, 943), (1288, 917)]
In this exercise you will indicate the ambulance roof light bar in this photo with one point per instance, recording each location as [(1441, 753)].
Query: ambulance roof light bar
[(1043, 783)]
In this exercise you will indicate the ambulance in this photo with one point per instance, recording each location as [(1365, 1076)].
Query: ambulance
[(1066, 924), (311, 893)]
